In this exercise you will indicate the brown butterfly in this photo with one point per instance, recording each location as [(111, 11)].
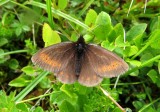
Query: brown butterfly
[(87, 63)]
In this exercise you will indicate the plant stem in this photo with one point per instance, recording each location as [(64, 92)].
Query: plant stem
[(14, 52), (143, 64), (107, 94)]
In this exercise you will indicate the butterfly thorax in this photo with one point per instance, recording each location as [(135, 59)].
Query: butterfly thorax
[(80, 51)]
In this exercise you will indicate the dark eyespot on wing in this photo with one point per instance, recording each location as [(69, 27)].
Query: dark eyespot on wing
[(104, 62), (54, 58)]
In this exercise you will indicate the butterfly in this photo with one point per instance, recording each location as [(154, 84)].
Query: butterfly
[(77, 61)]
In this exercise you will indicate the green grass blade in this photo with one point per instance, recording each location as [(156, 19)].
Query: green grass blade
[(59, 13), (146, 106), (30, 87), (50, 17)]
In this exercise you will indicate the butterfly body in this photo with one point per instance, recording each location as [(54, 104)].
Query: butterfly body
[(87, 63), (80, 48)]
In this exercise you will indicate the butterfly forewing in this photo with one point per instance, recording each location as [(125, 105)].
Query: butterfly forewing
[(104, 62), (88, 77), (54, 58)]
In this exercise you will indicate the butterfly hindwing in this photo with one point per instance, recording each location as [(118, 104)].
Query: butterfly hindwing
[(67, 74), (104, 62), (88, 76), (54, 58)]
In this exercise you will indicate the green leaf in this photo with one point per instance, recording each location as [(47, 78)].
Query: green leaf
[(52, 110), (141, 96), (137, 104), (18, 31), (6, 102), (138, 40), (158, 24), (146, 57), (107, 45), (135, 73), (38, 109), (50, 37), (68, 89), (30, 46), (154, 36), (119, 42), (3, 41), (1, 52), (155, 23), (156, 44), (118, 31), (114, 94), (13, 64), (135, 63), (26, 28), (112, 36), (45, 83), (62, 4), (74, 37), (155, 40), (3, 58), (159, 66), (21, 81), (28, 70), (119, 51), (58, 97), (90, 17), (131, 50), (66, 107), (136, 31), (88, 37), (83, 90), (153, 75), (103, 26), (15, 24), (22, 107), (158, 82)]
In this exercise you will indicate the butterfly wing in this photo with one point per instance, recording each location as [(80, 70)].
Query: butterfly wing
[(88, 77), (54, 58), (67, 74), (104, 62)]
